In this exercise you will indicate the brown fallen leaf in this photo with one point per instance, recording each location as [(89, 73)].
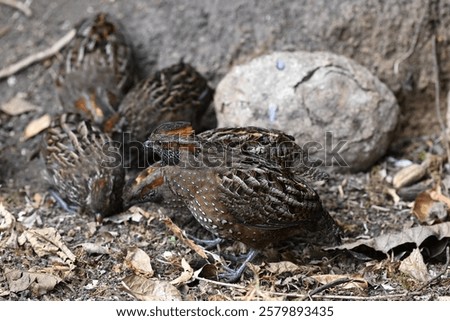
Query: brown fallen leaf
[(43, 283), (48, 241), (35, 126), (179, 234), (150, 289), (139, 261), (387, 242), (429, 207), (7, 220), (38, 283), (128, 216), (17, 105), (185, 276), (357, 282), (414, 266), (7, 226)]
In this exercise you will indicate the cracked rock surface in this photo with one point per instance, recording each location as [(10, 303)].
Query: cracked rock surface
[(333, 106)]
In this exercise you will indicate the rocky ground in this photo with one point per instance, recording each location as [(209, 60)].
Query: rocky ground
[(48, 254)]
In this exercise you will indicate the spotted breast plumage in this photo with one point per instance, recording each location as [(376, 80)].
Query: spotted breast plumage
[(238, 196)]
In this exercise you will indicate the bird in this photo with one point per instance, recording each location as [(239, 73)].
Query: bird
[(238, 196), (97, 70), (175, 93), (83, 166), (272, 145)]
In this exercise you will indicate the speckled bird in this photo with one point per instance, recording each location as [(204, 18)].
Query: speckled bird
[(175, 93), (237, 196), (83, 166), (271, 145), (97, 71)]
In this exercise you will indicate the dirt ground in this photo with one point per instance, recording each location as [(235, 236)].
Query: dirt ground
[(100, 263)]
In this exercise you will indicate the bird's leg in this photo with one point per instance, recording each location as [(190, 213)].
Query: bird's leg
[(208, 244), (232, 275), (63, 204)]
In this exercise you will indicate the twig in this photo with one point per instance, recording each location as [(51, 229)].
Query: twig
[(179, 233), (38, 56), (411, 49), (343, 297), (327, 286), (18, 5), (447, 250), (437, 101), (230, 285), (364, 298)]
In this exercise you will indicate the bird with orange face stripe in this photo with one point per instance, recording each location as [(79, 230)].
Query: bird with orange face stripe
[(237, 192)]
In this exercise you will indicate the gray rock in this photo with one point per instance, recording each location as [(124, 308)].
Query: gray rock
[(322, 99)]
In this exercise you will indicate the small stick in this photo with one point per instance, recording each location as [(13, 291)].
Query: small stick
[(179, 233), (38, 56), (342, 297), (230, 285), (18, 5), (327, 286)]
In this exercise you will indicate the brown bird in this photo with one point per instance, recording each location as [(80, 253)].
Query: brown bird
[(97, 70), (175, 93), (239, 196), (83, 166), (273, 146)]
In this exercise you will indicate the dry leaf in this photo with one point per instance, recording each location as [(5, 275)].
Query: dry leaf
[(7, 220), (393, 193), (414, 266), (124, 217), (186, 275), (17, 105), (7, 225), (42, 283), (38, 283), (93, 248), (47, 241), (357, 282), (36, 126), (281, 267), (150, 289), (139, 261), (387, 242), (428, 207)]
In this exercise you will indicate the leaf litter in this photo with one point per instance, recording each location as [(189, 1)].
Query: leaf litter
[(133, 250)]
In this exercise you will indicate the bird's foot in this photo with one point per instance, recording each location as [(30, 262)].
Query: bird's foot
[(232, 275)]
